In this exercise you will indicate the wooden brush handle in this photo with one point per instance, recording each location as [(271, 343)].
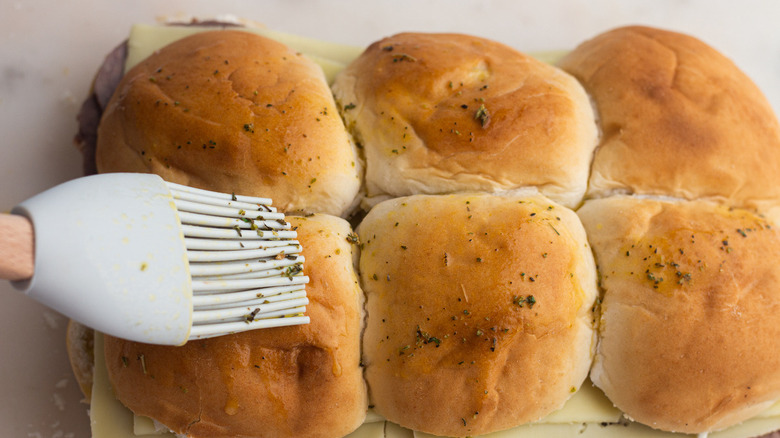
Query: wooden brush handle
[(16, 247)]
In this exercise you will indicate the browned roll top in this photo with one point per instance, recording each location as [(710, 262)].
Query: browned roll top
[(690, 324), (284, 382), (443, 113), (479, 310), (233, 112), (678, 119)]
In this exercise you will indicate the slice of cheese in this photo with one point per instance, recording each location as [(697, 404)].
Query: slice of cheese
[(393, 430), (369, 430), (587, 405), (332, 57), (108, 417), (145, 426), (146, 39), (751, 428)]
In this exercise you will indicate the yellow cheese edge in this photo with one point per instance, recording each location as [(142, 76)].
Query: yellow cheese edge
[(145, 39), (109, 418)]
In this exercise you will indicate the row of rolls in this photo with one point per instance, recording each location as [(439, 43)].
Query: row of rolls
[(484, 232)]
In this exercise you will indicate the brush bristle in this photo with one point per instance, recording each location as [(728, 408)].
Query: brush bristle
[(245, 264)]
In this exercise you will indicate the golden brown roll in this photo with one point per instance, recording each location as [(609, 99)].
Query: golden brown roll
[(233, 112), (690, 325), (282, 382), (479, 310), (444, 113), (79, 343), (677, 119)]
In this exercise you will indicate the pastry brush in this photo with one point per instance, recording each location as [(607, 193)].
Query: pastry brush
[(136, 257)]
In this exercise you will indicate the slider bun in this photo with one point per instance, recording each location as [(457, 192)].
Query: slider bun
[(677, 119), (80, 344), (690, 325), (234, 112), (413, 101), (283, 382), (447, 348)]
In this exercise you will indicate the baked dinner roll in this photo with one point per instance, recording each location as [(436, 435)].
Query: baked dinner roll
[(233, 112), (690, 325), (79, 343), (479, 310), (280, 382), (677, 119), (444, 113)]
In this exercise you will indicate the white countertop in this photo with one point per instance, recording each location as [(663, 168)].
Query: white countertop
[(49, 51)]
